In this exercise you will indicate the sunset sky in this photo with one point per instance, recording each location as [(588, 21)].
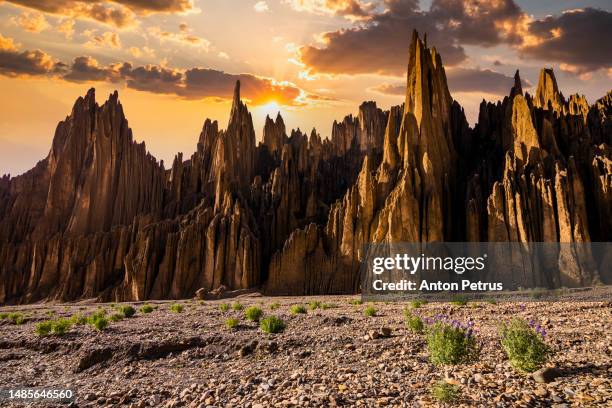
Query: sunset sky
[(175, 62)]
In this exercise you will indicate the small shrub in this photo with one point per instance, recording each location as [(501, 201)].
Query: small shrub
[(253, 313), (61, 327), (370, 311), (445, 392), (237, 306), (415, 323), (176, 308), (232, 323), (17, 318), (524, 345), (297, 309), (127, 310), (78, 319), (417, 303), (101, 323), (3, 315), (115, 317), (459, 300), (43, 328), (224, 307), (146, 308), (274, 306), (326, 306), (315, 304), (98, 320), (451, 344), (356, 302), (272, 324)]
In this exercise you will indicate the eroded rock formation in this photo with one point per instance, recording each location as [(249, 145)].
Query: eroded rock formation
[(100, 217)]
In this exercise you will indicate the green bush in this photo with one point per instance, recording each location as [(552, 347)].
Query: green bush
[(98, 320), (445, 392), (224, 307), (326, 306), (146, 308), (237, 306), (272, 324), (313, 305), (232, 323), (459, 300), (356, 302), (16, 318), (43, 328), (127, 310), (524, 346), (448, 344), (415, 323), (100, 323), (417, 303), (115, 317), (253, 313), (297, 309), (370, 311), (61, 327), (78, 319), (274, 306), (176, 308), (3, 315)]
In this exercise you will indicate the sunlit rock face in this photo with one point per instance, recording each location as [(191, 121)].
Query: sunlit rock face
[(100, 218)]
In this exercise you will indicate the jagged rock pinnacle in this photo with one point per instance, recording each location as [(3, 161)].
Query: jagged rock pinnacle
[(548, 91), (517, 89)]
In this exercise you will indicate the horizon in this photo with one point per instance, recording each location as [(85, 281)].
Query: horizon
[(174, 64)]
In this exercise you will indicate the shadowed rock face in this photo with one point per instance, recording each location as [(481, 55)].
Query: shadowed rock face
[(99, 217)]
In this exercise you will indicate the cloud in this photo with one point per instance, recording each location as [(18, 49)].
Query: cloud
[(118, 13), (353, 10), (104, 12), (577, 38), (184, 37), (139, 52), (261, 7), (34, 22), (194, 83), (464, 80), (380, 45), (15, 63), (66, 27), (84, 69), (106, 39)]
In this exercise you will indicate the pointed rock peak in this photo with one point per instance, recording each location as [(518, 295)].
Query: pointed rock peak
[(548, 91), (426, 88), (237, 92), (279, 118), (517, 89)]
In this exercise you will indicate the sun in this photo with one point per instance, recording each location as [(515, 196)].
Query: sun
[(271, 109)]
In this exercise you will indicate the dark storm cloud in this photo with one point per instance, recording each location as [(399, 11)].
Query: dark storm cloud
[(464, 80), (381, 45), (580, 38)]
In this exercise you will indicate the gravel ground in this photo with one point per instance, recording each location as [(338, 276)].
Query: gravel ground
[(324, 358)]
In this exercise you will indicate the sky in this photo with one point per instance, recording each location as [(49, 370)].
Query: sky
[(175, 62)]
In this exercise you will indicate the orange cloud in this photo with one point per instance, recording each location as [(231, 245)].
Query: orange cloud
[(33, 22), (194, 83), (118, 13)]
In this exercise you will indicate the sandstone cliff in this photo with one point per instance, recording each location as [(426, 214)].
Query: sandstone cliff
[(100, 217)]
